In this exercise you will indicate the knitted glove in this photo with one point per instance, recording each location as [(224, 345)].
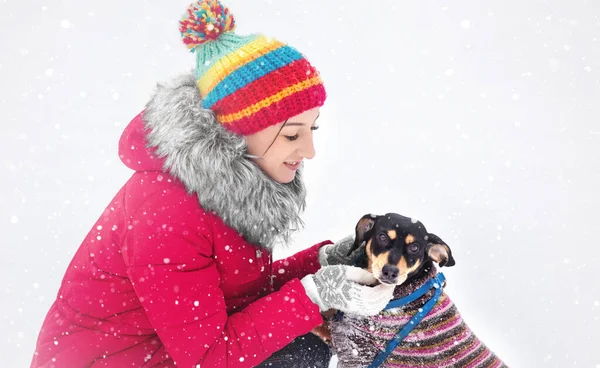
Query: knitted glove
[(337, 253), (339, 287)]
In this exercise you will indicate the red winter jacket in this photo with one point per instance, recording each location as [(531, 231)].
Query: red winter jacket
[(159, 281)]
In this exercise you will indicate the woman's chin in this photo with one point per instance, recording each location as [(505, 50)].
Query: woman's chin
[(284, 177), (285, 180)]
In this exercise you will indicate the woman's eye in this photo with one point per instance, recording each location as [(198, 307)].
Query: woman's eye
[(414, 248), (291, 137)]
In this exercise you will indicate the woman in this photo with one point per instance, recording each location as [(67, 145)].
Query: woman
[(178, 269)]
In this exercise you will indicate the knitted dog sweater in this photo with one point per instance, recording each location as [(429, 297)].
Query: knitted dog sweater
[(441, 339)]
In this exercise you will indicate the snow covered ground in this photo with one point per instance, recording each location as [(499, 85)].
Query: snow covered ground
[(482, 120)]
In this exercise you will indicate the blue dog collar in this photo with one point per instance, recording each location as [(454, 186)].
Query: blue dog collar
[(436, 282)]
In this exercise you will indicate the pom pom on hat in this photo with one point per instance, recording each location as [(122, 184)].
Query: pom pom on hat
[(204, 21)]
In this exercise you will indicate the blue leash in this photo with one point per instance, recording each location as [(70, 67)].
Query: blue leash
[(437, 282)]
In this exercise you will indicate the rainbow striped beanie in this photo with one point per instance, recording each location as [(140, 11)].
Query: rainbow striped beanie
[(249, 82)]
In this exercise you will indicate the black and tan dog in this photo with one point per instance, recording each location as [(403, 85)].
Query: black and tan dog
[(398, 247), (400, 251)]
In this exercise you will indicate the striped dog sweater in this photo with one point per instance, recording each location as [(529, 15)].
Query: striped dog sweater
[(441, 339)]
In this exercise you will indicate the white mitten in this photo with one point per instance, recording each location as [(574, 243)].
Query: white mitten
[(345, 288), (337, 253)]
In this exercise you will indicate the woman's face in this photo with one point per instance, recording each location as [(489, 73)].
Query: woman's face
[(282, 147)]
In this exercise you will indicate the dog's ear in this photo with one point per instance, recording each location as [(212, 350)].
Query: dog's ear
[(364, 229), (439, 251)]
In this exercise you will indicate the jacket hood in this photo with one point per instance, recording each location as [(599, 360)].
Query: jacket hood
[(176, 135)]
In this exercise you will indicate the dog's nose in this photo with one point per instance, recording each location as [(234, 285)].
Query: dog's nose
[(390, 272)]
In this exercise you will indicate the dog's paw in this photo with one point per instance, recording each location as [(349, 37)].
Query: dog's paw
[(323, 332)]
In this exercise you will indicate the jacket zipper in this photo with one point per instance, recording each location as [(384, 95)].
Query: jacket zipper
[(269, 270)]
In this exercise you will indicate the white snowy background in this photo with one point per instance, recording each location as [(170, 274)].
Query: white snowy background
[(481, 119)]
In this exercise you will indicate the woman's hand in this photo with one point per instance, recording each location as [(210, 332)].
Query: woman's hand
[(337, 253), (345, 288)]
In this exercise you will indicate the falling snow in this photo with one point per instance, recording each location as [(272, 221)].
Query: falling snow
[(483, 124)]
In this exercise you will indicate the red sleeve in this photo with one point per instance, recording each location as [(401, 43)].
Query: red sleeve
[(177, 282), (297, 266)]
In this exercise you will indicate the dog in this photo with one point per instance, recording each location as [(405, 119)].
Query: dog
[(399, 251)]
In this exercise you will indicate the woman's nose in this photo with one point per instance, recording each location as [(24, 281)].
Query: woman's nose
[(307, 150)]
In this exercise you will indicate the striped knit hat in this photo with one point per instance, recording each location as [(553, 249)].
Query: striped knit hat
[(250, 82)]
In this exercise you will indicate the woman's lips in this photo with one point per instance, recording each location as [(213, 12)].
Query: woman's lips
[(293, 165)]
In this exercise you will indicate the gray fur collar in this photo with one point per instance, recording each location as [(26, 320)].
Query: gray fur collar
[(210, 162)]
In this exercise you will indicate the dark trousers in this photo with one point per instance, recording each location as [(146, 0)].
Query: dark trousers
[(306, 351)]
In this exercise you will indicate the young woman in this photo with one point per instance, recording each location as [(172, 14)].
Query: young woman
[(178, 269)]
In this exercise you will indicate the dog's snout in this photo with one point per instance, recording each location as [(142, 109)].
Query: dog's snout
[(390, 272)]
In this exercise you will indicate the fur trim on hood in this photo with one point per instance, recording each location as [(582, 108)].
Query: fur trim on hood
[(210, 162)]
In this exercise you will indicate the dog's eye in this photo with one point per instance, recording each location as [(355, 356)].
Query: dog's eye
[(413, 248), (383, 239)]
